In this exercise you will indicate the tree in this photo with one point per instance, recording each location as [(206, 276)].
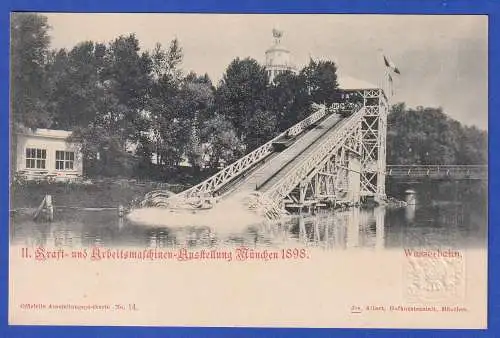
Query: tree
[(288, 99), (28, 54), (241, 93), (128, 73), (120, 122), (195, 101), (320, 81), (222, 144), (167, 62), (169, 128), (428, 136), (76, 83), (263, 128), (473, 146), (165, 125)]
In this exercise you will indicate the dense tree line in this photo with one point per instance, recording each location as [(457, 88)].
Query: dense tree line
[(428, 136), (135, 110), (124, 104)]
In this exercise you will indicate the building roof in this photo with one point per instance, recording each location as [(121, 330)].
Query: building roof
[(350, 83), (49, 133)]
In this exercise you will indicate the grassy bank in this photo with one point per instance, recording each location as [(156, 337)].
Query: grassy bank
[(98, 193)]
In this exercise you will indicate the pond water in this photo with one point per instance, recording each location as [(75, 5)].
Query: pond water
[(443, 221)]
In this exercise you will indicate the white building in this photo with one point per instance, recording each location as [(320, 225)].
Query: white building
[(278, 58), (45, 154)]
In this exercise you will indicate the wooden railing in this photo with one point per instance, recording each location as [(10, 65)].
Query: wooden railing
[(329, 145), (212, 184)]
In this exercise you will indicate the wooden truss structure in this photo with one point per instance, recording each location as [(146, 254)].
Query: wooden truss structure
[(346, 165)]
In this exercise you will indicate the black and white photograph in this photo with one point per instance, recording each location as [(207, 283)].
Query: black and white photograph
[(256, 170)]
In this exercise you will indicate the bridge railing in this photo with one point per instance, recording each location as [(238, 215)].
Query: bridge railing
[(232, 171), (282, 188), (438, 171)]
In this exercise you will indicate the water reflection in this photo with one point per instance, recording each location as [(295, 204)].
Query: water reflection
[(450, 224), (410, 212)]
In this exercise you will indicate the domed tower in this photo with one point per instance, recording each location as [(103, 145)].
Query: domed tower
[(278, 58)]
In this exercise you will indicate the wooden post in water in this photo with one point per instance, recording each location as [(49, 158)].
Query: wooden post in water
[(39, 210), (121, 211), (46, 209), (410, 197), (49, 207)]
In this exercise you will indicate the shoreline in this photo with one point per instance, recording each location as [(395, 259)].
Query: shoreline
[(107, 193)]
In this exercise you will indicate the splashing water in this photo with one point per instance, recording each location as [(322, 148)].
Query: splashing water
[(229, 216)]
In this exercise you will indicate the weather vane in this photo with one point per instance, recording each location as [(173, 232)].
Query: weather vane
[(277, 34)]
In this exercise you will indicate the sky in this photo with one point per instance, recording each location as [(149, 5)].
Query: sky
[(442, 59)]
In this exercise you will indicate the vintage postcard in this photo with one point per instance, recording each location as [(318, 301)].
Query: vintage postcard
[(249, 170)]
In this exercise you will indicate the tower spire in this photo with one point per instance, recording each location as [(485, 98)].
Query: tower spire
[(278, 57)]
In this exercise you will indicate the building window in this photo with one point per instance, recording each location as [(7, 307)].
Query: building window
[(65, 160), (35, 158)]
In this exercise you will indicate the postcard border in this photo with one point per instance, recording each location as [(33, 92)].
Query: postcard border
[(303, 6)]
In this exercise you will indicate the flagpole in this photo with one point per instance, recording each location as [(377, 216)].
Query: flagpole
[(389, 80), (385, 81), (388, 85), (391, 87)]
